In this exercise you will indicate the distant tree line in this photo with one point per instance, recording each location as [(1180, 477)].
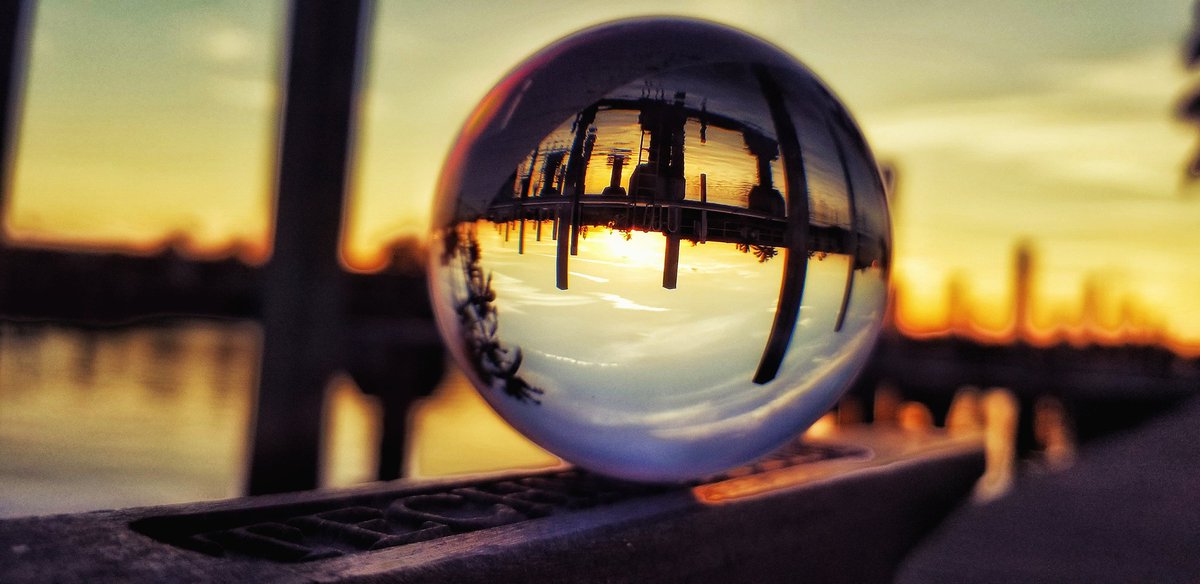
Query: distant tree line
[(105, 288)]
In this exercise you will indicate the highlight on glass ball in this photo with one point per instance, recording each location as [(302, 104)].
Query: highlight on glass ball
[(660, 249)]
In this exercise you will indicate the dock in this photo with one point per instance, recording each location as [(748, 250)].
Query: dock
[(846, 508)]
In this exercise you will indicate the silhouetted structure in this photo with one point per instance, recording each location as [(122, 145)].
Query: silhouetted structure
[(655, 200), (302, 290), (1022, 291), (1102, 388), (791, 290), (15, 17), (1189, 107)]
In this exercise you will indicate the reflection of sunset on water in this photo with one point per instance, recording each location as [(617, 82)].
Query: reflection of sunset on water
[(689, 269), (618, 321), (625, 277), (602, 250), (643, 250)]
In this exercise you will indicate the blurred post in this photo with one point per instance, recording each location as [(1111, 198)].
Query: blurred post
[(1189, 107), (15, 19), (302, 295)]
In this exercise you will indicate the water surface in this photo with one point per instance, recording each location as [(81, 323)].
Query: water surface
[(155, 414)]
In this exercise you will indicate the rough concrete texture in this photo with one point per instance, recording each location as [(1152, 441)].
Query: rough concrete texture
[(846, 520)]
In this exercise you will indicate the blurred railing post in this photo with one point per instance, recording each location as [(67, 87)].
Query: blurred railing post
[(15, 19), (302, 295)]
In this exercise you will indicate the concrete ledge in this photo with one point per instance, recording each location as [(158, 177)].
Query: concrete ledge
[(843, 510), (1127, 511)]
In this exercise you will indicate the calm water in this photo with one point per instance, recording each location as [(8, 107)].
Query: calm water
[(159, 414), (93, 419)]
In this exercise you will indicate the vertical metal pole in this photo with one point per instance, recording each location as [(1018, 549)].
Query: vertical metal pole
[(563, 251), (671, 255), (1022, 291), (525, 186), (15, 25), (614, 180), (852, 232), (302, 316), (576, 171), (568, 228), (15, 19), (795, 268)]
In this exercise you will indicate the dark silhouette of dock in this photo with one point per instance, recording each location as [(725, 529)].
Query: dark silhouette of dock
[(1103, 388), (105, 288), (1106, 387)]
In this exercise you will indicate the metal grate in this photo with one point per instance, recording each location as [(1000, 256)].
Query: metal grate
[(335, 527)]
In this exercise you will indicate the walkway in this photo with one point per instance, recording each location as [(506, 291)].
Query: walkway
[(1128, 511)]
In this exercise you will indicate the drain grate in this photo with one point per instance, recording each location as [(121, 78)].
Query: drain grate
[(334, 527)]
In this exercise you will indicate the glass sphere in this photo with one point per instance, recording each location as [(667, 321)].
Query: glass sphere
[(660, 249)]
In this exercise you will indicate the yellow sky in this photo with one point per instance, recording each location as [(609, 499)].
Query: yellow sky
[(1046, 121)]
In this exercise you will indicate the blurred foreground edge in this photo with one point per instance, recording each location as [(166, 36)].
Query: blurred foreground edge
[(842, 509), (1124, 512)]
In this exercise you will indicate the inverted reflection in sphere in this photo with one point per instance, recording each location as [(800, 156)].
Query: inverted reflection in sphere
[(660, 249)]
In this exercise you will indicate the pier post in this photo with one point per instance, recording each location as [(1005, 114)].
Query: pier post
[(302, 295), (795, 269), (15, 24), (15, 21), (563, 249), (581, 150), (671, 260), (852, 244)]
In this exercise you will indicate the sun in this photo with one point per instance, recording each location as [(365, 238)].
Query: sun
[(641, 250)]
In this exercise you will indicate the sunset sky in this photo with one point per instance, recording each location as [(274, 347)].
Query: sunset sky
[(1032, 120)]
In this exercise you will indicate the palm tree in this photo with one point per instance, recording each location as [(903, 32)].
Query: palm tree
[(493, 362)]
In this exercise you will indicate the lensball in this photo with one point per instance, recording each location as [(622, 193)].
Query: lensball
[(660, 249)]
